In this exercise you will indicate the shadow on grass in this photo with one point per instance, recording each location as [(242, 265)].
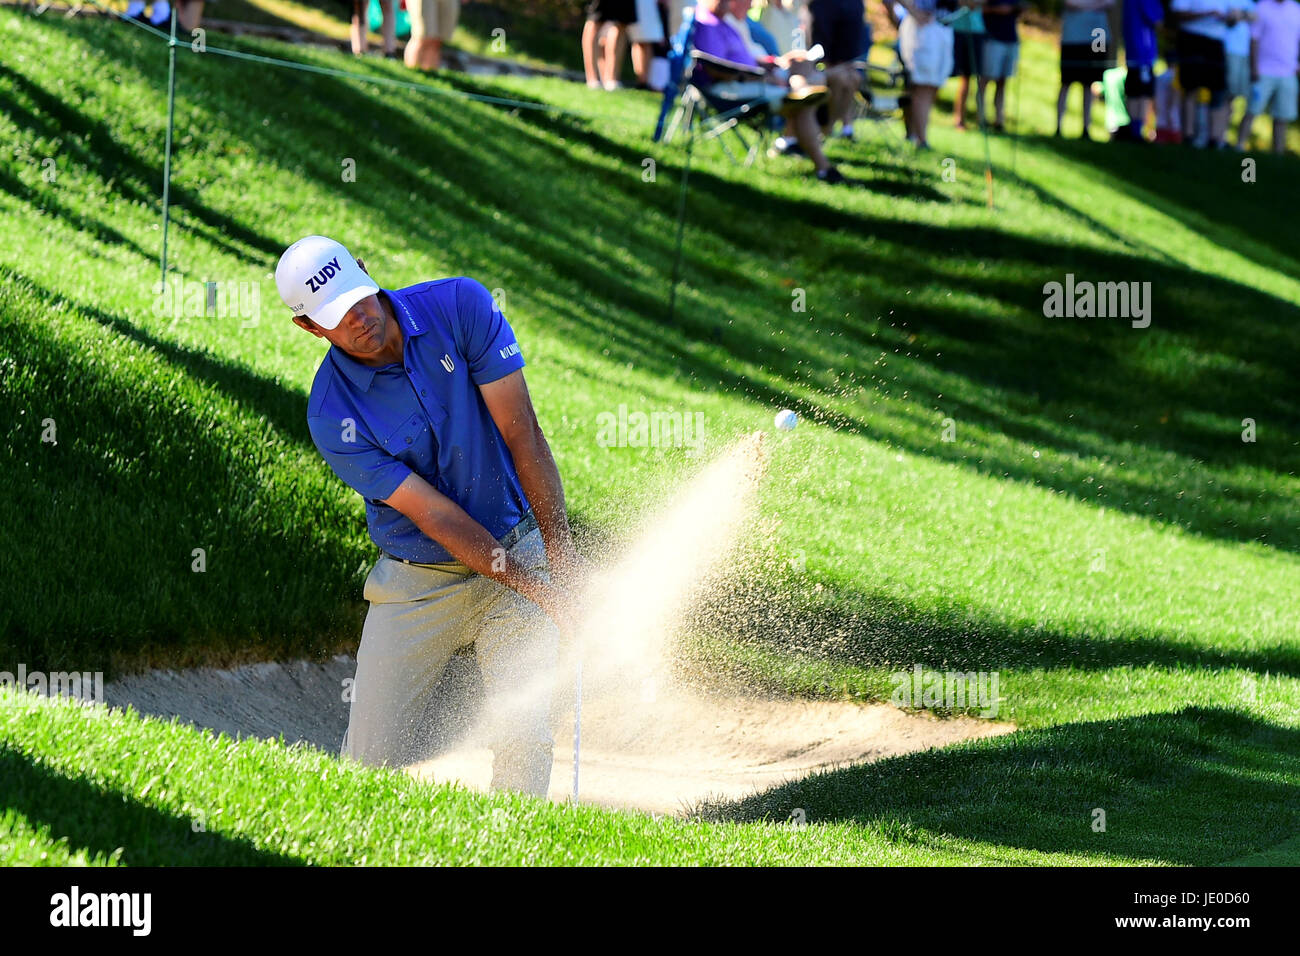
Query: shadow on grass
[(1200, 786), (135, 179), (101, 821), (134, 484), (873, 631), (1081, 388), (1229, 208)]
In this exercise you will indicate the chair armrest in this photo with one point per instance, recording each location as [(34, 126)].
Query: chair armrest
[(720, 69)]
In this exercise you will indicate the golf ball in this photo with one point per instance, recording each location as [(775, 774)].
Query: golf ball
[(786, 419)]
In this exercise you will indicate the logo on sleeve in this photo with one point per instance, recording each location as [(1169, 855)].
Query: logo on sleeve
[(509, 350), (328, 271)]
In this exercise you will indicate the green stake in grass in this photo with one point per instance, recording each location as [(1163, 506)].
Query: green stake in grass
[(167, 149)]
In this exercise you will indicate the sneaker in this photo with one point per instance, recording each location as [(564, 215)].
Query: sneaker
[(846, 132), (785, 146), (612, 85), (830, 175)]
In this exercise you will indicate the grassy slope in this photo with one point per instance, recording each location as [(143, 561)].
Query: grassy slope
[(1074, 437), (107, 788)]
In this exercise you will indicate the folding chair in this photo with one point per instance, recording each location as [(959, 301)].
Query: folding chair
[(882, 90), (688, 102)]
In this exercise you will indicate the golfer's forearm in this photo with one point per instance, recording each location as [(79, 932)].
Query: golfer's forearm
[(473, 546), (540, 478)]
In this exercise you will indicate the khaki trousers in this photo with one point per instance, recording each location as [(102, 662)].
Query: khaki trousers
[(422, 614)]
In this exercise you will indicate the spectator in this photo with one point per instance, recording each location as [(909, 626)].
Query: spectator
[(837, 26), (967, 57), (1001, 53), (361, 27), (1236, 56), (761, 43), (1202, 71), (759, 33), (925, 45), (895, 14), (1274, 58), (786, 21), (647, 31), (1085, 52), (432, 24), (1169, 109), (790, 83), (1141, 17), (617, 13), (189, 14)]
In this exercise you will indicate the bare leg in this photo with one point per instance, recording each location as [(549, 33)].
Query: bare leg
[(360, 27), (1219, 119), (189, 14), (803, 121), (614, 54), (590, 55), (999, 102), (1279, 136), (1087, 109), (922, 101), (389, 29), (959, 102), (1061, 100), (1189, 117), (1243, 130), (980, 86), (641, 62), (843, 83)]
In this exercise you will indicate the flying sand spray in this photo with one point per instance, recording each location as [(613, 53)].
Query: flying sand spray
[(622, 640), (620, 650)]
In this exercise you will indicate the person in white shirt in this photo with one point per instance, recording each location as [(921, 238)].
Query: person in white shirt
[(787, 21)]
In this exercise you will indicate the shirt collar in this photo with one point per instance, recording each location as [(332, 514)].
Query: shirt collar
[(362, 375)]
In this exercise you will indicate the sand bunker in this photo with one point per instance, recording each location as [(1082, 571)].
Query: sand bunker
[(647, 741), (662, 755)]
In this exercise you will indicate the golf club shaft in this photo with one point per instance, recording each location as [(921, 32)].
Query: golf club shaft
[(577, 723)]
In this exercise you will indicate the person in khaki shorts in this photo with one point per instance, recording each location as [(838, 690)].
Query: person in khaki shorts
[(420, 406), (432, 24)]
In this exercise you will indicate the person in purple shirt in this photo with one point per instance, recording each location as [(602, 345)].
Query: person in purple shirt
[(1274, 61), (1141, 20), (788, 84)]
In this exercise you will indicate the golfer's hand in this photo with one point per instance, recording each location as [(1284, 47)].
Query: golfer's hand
[(561, 606), (571, 571)]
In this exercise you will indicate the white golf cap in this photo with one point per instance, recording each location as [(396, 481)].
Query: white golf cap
[(318, 278)]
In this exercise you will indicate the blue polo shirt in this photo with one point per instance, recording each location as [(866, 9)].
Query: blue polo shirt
[(375, 425)]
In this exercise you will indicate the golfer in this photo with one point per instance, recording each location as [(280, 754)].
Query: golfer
[(420, 407)]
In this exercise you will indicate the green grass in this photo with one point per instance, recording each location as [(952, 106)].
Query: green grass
[(1098, 532), (107, 788)]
